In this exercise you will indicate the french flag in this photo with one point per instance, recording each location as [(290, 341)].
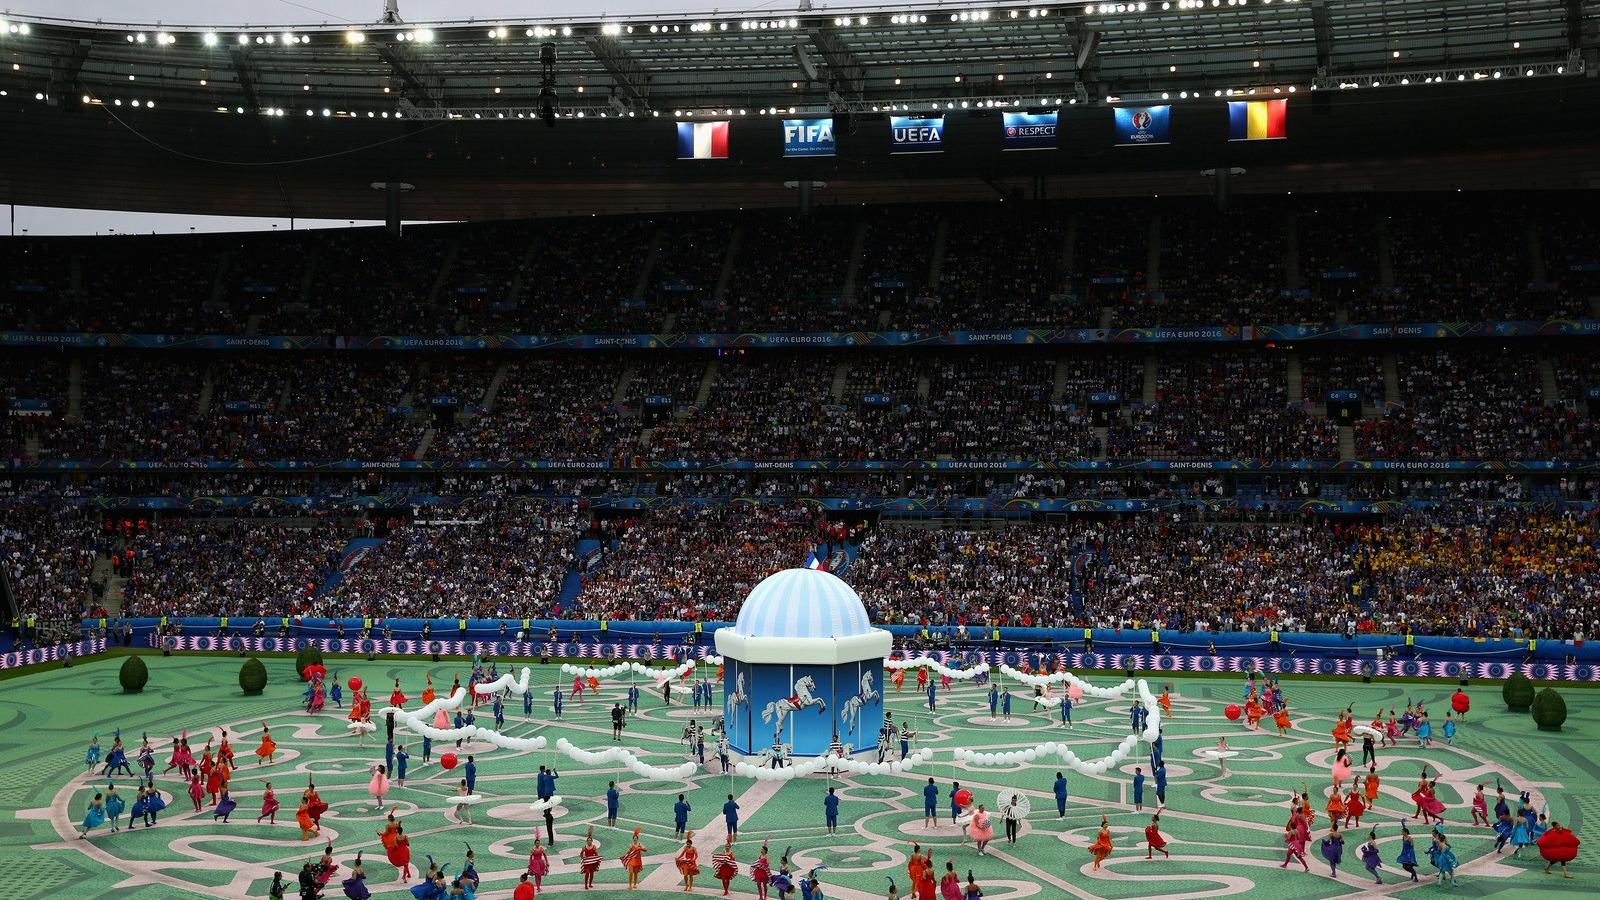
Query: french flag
[(702, 140), (812, 562)]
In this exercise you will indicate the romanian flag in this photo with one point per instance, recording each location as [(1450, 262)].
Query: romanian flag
[(1257, 120), (702, 140)]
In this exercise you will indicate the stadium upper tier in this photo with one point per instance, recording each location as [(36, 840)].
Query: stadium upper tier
[(1091, 408), (915, 267)]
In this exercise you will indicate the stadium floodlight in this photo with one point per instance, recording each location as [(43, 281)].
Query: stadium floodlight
[(209, 39), (424, 36), (354, 37), (244, 39)]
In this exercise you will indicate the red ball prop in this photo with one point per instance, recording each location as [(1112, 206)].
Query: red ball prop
[(963, 797), (354, 683), (315, 670), (1232, 712), (448, 760), (1460, 702)]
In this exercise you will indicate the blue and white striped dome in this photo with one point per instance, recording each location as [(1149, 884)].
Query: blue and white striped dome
[(802, 603)]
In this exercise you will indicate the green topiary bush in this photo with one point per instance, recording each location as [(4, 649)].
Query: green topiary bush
[(134, 675), (1518, 692), (309, 655), (1549, 710), (252, 676)]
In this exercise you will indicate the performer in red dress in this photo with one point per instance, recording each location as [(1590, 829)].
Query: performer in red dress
[(724, 865), (1152, 835), (589, 859)]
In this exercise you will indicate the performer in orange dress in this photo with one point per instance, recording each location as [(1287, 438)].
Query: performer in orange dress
[(914, 865), (217, 781), (427, 692), (688, 861), (1341, 731), (1166, 701), (225, 752), (899, 679), (1253, 712), (1371, 786), (1101, 848), (633, 861), (1335, 807), (268, 747), (308, 827), (1281, 719), (1152, 836), (391, 830)]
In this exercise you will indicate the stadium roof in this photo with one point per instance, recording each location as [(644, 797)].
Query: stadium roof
[(299, 120), (860, 58)]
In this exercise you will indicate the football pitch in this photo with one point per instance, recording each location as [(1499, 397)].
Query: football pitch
[(1224, 829)]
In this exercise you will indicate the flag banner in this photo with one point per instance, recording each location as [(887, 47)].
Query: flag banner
[(702, 140), (1139, 126), (1029, 131), (807, 137), (912, 134), (1258, 120)]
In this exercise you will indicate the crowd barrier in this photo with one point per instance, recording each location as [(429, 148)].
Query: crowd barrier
[(14, 659), (583, 632), (1177, 662)]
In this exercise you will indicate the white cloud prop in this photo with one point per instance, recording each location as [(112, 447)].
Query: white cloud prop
[(927, 662), (627, 759), (659, 675)]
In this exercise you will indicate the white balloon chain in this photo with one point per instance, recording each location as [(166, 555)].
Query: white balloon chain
[(659, 675), (926, 662), (1103, 693), (1122, 751), (417, 722)]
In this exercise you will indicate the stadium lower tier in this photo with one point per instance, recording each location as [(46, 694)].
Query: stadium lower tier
[(1480, 570)]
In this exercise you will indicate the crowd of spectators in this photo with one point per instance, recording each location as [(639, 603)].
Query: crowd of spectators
[(1453, 403), (48, 553), (1493, 567), (227, 566), (1479, 404), (924, 266), (495, 557), (1485, 571), (556, 407), (1010, 575), (692, 563), (1227, 406)]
